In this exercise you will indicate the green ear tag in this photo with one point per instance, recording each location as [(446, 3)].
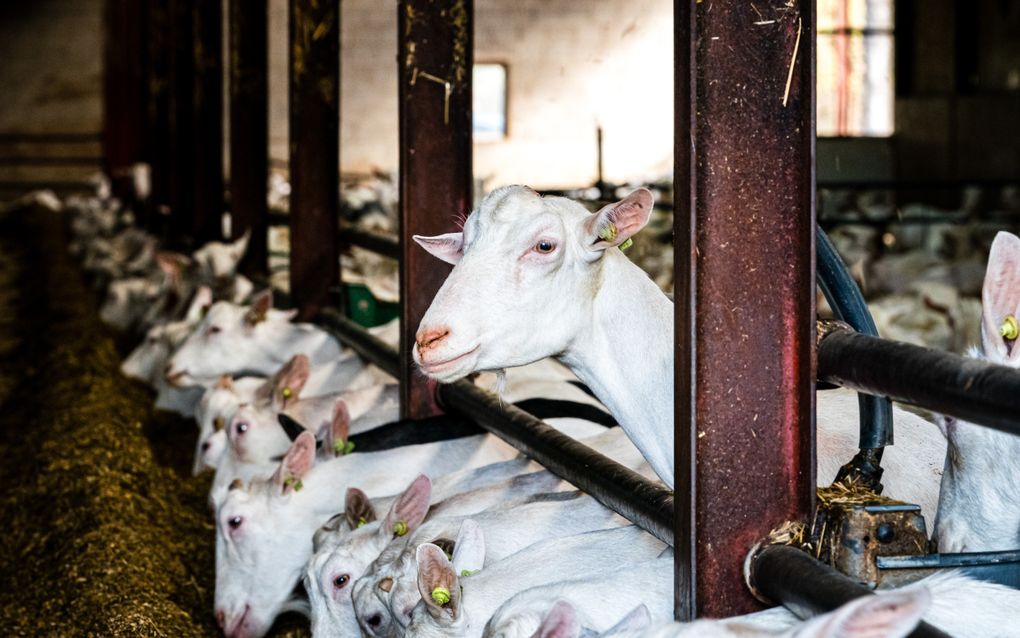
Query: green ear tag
[(294, 483), (400, 528), (361, 521), (1009, 328), (340, 448), (608, 233), (627, 244), (467, 572), (441, 595)]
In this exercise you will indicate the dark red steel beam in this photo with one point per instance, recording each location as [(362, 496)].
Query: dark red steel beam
[(182, 123), (159, 104), (745, 288), (249, 131), (125, 90), (434, 67), (314, 153), (207, 19)]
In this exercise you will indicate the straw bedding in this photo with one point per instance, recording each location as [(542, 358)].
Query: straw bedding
[(104, 533)]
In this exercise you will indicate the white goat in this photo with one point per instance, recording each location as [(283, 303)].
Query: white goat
[(522, 254), (455, 604), (255, 339), (264, 531), (979, 504), (950, 601)]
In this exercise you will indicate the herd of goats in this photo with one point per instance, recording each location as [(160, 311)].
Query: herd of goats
[(319, 486)]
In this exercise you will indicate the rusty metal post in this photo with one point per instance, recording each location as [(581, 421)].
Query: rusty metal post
[(182, 123), (744, 286), (207, 19), (124, 90), (158, 121), (249, 131), (434, 60), (314, 153)]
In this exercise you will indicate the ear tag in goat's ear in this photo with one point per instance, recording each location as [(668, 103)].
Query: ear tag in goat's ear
[(468, 572), (627, 244), (400, 528), (441, 595), (342, 448), (608, 233), (361, 521), (218, 423), (294, 483), (1009, 328), (287, 392)]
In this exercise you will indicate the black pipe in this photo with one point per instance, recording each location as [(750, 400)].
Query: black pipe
[(808, 587), (385, 245), (363, 342), (619, 488), (848, 305), (968, 389)]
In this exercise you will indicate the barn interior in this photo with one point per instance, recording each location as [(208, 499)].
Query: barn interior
[(324, 133)]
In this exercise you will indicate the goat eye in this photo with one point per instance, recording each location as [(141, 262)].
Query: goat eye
[(242, 428), (545, 246), (340, 581), (235, 522), (214, 330)]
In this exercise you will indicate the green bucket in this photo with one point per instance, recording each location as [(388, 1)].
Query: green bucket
[(366, 310)]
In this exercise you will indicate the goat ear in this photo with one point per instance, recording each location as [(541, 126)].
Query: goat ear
[(559, 622), (469, 548), (338, 430), (199, 304), (1000, 299), (358, 508), (296, 463), (241, 245), (260, 306), (225, 382), (289, 381), (173, 265), (410, 507), (616, 223), (448, 247), (438, 583), (638, 619), (892, 615)]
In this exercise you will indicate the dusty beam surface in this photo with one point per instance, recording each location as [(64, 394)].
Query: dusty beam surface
[(745, 288), (314, 152), (435, 160)]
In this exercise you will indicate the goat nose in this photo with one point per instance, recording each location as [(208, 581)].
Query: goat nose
[(428, 338)]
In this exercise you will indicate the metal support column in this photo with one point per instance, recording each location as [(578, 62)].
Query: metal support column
[(159, 117), (314, 152), (744, 227), (208, 104), (434, 59), (182, 123), (124, 91), (249, 131)]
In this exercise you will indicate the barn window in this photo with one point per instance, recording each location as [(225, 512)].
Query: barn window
[(855, 68), (489, 102)]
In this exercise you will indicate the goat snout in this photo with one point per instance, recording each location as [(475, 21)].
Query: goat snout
[(431, 338)]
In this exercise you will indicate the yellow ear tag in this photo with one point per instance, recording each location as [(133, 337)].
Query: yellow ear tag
[(287, 392), (627, 244), (467, 572), (361, 521), (400, 528), (441, 595), (1009, 328), (294, 483), (608, 233)]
